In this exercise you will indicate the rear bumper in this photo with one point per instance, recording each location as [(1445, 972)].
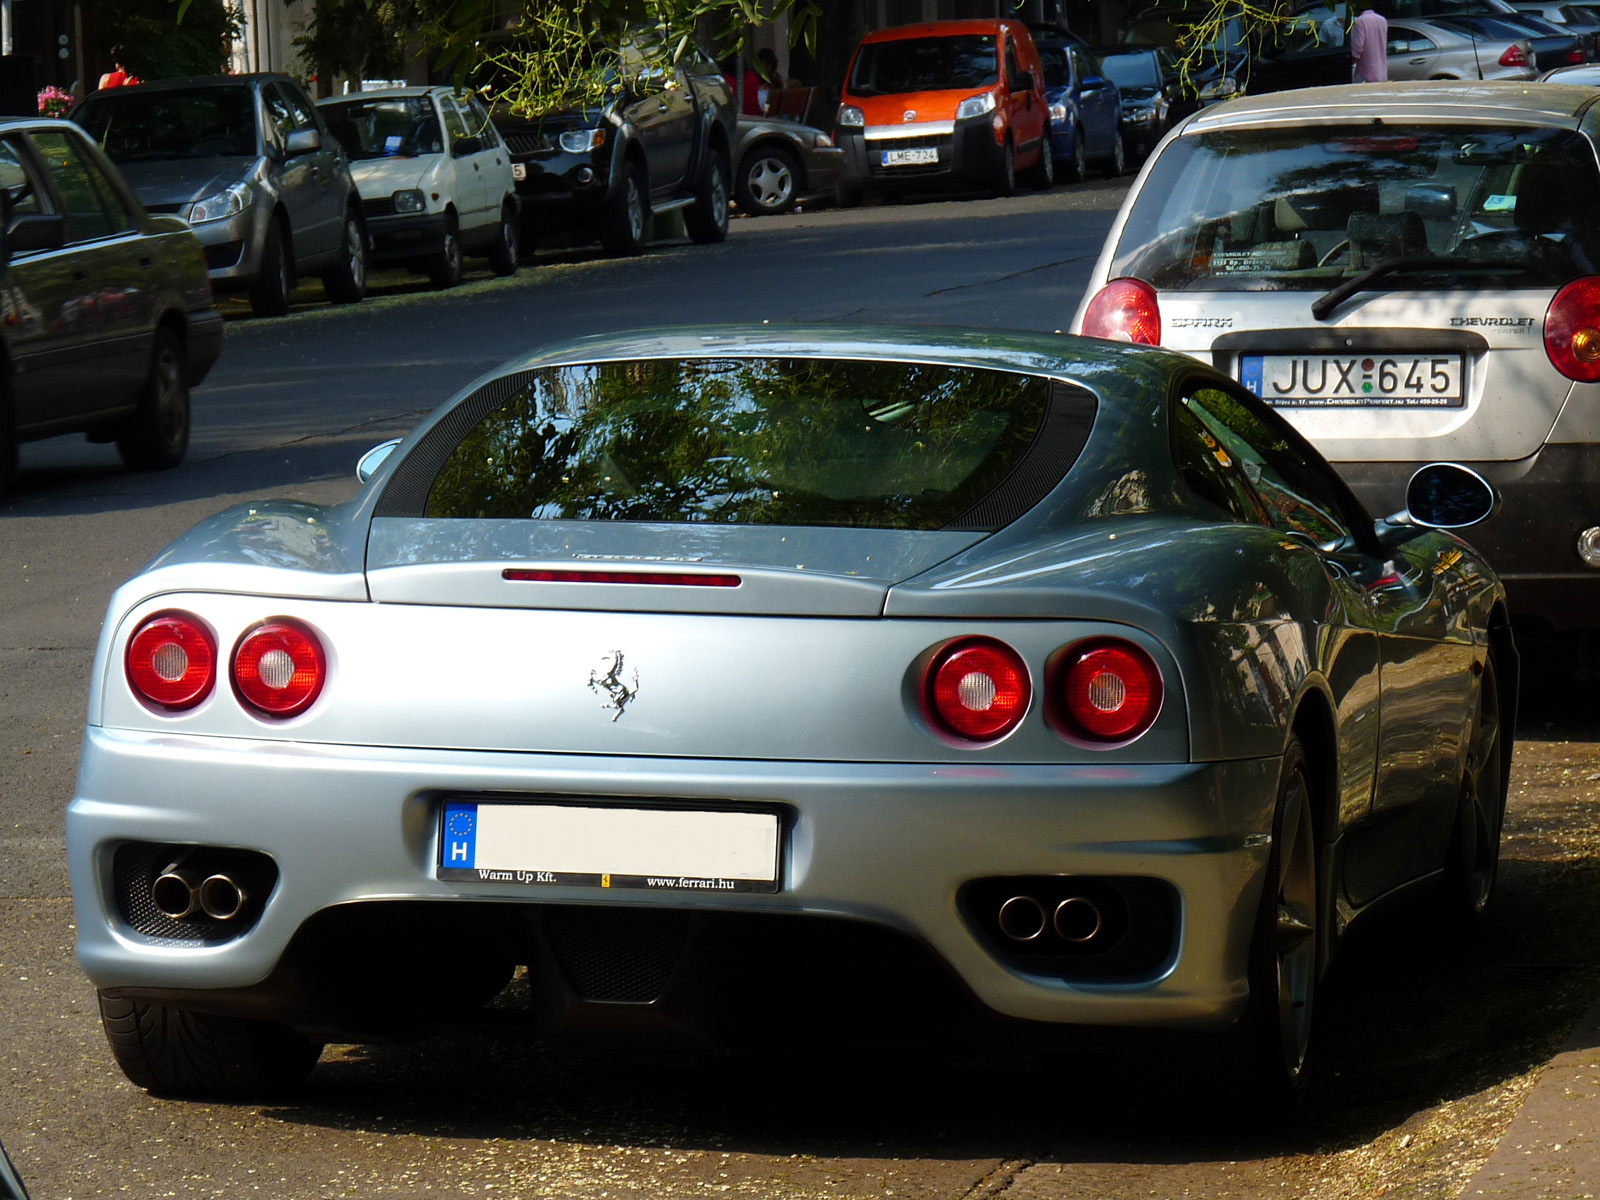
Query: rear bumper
[(1549, 498), (888, 845)]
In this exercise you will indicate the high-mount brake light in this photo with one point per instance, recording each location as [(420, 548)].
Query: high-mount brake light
[(1108, 690), (654, 578), (977, 689), (279, 668), (1125, 310), (1572, 330), (171, 661)]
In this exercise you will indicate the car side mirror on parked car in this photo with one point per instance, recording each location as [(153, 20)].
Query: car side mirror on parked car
[(32, 231), (1447, 495), (367, 465), (302, 141), (1092, 83), (1023, 82)]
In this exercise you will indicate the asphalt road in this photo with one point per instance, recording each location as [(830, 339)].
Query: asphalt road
[(1429, 1051)]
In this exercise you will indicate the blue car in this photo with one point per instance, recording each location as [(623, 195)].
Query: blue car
[(1085, 109)]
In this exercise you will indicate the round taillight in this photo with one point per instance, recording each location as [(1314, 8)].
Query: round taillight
[(1572, 330), (172, 661), (978, 689), (279, 668), (1125, 310), (1110, 690)]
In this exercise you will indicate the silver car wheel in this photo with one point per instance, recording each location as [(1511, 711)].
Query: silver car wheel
[(635, 210), (770, 181), (1295, 929), (356, 251), (1484, 799)]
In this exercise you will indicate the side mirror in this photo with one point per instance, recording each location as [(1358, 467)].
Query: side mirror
[(1092, 83), (34, 231), (464, 146), (1023, 82), (1448, 496), (368, 464), (10, 1182), (302, 141)]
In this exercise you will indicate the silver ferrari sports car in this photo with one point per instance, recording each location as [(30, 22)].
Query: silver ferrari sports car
[(733, 685)]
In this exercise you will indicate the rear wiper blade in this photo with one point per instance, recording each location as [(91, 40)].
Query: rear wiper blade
[(1325, 304)]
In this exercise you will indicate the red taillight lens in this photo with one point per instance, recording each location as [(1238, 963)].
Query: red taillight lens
[(978, 689), (172, 661), (279, 668), (1110, 690), (1515, 56), (1576, 55), (1572, 330), (1125, 310)]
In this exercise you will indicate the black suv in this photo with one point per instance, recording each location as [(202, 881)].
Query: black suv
[(661, 144)]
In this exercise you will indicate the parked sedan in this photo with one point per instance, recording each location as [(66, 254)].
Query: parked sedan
[(1446, 49), (246, 162), (434, 177), (781, 162), (1151, 92), (1009, 677), (1587, 75), (1085, 110), (1409, 272), (105, 312)]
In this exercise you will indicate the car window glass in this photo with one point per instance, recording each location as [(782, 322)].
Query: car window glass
[(925, 65), (301, 113), (135, 125), (1012, 69), (478, 122), (1305, 208), (1210, 471), (1276, 463), (88, 201), (1057, 72), (384, 126), (1131, 70), (19, 192), (454, 126), (280, 118)]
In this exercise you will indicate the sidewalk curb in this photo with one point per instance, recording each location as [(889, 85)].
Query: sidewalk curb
[(1552, 1149)]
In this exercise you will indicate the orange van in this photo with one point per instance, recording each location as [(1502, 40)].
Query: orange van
[(949, 103)]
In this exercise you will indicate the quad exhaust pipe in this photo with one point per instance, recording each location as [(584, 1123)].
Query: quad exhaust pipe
[(180, 892), (1077, 919)]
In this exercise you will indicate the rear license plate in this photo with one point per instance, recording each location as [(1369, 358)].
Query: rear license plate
[(519, 170), (910, 158), (582, 845), (1364, 381)]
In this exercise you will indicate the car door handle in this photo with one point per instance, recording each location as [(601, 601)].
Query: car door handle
[(1417, 62)]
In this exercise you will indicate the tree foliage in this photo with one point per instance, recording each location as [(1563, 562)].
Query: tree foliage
[(1223, 32), (161, 39)]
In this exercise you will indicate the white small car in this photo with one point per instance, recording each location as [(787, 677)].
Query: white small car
[(1409, 272), (434, 178)]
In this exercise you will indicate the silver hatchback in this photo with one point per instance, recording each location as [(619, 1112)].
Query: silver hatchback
[(1406, 271)]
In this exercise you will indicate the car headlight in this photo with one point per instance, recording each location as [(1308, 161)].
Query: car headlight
[(581, 141), (975, 106), (1140, 116), (850, 116), (1218, 88), (228, 203), (1058, 114), (410, 201)]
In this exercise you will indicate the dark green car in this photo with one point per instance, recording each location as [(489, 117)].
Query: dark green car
[(105, 311)]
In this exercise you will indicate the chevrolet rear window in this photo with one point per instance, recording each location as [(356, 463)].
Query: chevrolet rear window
[(1304, 208), (759, 441)]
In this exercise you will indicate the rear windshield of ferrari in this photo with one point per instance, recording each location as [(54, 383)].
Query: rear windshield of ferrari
[(930, 64), (1304, 208), (746, 442)]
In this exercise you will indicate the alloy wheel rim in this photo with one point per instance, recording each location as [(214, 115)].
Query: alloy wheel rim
[(1295, 931), (1080, 160), (452, 251), (1121, 156), (719, 196), (770, 182), (169, 398), (1482, 855), (508, 233), (635, 211), (358, 260), (1047, 157)]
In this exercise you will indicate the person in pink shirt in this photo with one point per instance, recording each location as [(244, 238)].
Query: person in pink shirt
[(1369, 46)]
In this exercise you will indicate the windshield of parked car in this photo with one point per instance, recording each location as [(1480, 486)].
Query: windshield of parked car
[(384, 127), (136, 125), (929, 64), (1131, 70), (1304, 208), (749, 442)]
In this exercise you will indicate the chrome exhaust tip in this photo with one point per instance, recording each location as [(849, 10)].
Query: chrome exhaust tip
[(1022, 918), (221, 898), (173, 893), (1078, 919)]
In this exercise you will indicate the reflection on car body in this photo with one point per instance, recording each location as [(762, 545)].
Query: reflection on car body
[(1016, 677)]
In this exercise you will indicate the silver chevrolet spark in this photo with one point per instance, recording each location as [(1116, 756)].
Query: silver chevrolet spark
[(1408, 273)]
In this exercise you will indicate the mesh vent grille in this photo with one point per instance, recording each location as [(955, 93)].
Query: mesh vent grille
[(614, 955), (136, 865), (1056, 447)]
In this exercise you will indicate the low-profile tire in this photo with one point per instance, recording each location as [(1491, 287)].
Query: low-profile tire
[(1076, 169), (269, 295), (1473, 863), (1286, 948), (1042, 174), (1005, 183), (846, 196), (503, 251), (626, 216), (1117, 162), (176, 1052), (347, 282), (707, 218), (768, 182), (157, 435), (445, 267)]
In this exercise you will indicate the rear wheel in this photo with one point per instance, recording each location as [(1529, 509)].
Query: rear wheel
[(347, 283), (1118, 162), (157, 436), (504, 249), (769, 182), (1474, 860), (269, 295), (176, 1052), (626, 215), (1077, 169), (444, 268), (707, 218)]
